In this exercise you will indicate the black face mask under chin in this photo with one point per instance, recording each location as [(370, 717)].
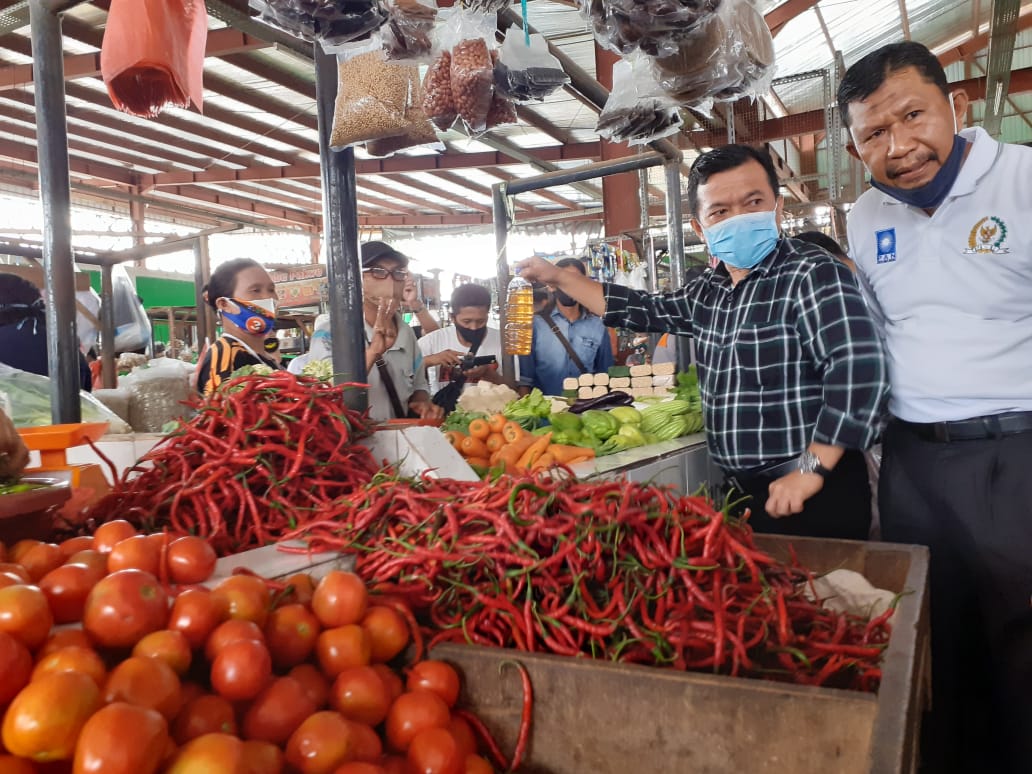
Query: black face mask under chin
[(564, 299), (475, 336)]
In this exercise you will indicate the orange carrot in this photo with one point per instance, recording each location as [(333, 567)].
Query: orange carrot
[(512, 431), (535, 450), (473, 447), (479, 429), (511, 452), (564, 454)]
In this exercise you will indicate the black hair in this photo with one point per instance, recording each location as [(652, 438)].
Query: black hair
[(222, 282), (563, 263), (866, 76), (470, 295), (19, 299), (721, 160), (823, 241)]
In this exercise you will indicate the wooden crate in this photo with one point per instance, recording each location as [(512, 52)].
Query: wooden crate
[(604, 718)]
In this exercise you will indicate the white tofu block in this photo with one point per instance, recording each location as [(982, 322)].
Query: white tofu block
[(585, 392), (586, 380), (641, 381), (599, 390), (664, 380), (641, 392), (601, 380), (570, 383), (619, 382), (641, 370), (664, 369)]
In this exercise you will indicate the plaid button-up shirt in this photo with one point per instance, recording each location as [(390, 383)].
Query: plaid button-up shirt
[(787, 357)]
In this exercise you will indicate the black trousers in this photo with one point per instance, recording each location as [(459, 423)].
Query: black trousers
[(842, 509), (970, 502)]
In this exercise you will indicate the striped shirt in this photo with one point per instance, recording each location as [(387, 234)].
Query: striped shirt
[(224, 357), (787, 357)]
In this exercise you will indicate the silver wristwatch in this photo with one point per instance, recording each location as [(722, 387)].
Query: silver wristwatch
[(811, 463)]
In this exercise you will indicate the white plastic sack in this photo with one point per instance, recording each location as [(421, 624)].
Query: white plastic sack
[(25, 398), (159, 391), (132, 326)]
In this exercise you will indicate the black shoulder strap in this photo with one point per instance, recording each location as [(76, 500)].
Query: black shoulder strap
[(392, 391), (563, 340)]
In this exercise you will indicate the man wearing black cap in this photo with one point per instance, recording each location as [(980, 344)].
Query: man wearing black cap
[(397, 379)]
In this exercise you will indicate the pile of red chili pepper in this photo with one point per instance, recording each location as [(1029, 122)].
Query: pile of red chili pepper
[(262, 456), (615, 570)]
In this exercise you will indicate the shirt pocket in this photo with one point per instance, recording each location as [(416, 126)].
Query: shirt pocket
[(763, 351), (585, 348)]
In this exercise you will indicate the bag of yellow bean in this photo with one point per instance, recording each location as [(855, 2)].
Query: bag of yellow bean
[(373, 96)]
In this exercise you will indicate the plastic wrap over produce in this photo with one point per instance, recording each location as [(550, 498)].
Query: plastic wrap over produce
[(25, 398), (655, 27), (157, 393), (527, 71), (330, 22), (637, 111), (728, 56)]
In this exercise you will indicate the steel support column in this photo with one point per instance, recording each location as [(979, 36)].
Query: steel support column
[(56, 197), (107, 328), (675, 246), (202, 273), (340, 225), (500, 209)]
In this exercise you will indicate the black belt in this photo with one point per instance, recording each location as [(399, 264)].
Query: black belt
[(741, 479), (975, 429)]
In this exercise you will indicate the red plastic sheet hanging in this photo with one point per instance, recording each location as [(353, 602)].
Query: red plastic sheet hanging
[(153, 54)]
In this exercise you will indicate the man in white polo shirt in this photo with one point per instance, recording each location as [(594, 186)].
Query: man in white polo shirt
[(943, 249)]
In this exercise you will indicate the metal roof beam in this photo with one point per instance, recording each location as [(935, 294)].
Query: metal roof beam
[(78, 166), (243, 205), (778, 17), (480, 189), (544, 193), (427, 221), (403, 197), (976, 43), (441, 193)]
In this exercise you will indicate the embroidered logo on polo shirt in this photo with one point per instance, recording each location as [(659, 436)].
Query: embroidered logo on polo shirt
[(988, 236), (886, 241)]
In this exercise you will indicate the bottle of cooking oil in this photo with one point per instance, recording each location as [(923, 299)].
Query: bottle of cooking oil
[(519, 317)]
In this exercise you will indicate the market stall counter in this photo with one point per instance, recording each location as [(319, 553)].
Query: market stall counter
[(683, 463)]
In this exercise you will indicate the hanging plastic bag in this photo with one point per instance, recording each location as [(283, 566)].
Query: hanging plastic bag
[(637, 111), (373, 95), (330, 22), (152, 55), (132, 326), (502, 112), (26, 399), (470, 37), (419, 132), (655, 27), (527, 73), (485, 6), (408, 34), (438, 102)]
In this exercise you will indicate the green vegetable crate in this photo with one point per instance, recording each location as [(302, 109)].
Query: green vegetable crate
[(608, 718)]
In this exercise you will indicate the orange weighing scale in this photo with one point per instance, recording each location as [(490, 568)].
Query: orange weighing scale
[(86, 480)]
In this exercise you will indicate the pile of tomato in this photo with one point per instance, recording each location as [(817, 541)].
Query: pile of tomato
[(114, 661)]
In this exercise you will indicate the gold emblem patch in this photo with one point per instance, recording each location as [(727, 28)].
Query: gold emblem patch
[(988, 236)]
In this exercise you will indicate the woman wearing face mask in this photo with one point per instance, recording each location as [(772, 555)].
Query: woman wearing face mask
[(244, 296), (791, 370)]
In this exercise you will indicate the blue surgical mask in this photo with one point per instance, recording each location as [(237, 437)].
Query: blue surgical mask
[(931, 194), (744, 240), (255, 317)]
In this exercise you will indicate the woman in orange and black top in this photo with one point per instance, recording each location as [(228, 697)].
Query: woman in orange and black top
[(244, 296)]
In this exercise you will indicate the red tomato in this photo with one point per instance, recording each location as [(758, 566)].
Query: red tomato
[(231, 631), (44, 720), (300, 588), (10, 579), (106, 536), (145, 682), (340, 599), (41, 559), (166, 645), (196, 613), (320, 744), (66, 589), (437, 677), (262, 757), (360, 767), (191, 560), (342, 647), (206, 714), (277, 711), (367, 745), (245, 597), (91, 558), (314, 682), (15, 668), (65, 638), (19, 549), (435, 751), (123, 607), (73, 659), (463, 733), (122, 739), (25, 615), (241, 670), (360, 695), (477, 765), (76, 544), (390, 678), (138, 552), (15, 569), (388, 632), (394, 764), (209, 754), (413, 712), (9, 764), (290, 633)]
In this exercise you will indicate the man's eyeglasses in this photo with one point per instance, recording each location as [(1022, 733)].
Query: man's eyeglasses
[(399, 275)]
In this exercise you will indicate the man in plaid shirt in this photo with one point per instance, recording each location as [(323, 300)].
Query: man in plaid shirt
[(791, 371)]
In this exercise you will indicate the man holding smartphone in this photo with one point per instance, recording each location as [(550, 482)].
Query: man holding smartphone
[(469, 348)]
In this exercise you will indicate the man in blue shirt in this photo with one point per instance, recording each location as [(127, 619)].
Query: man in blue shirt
[(549, 361)]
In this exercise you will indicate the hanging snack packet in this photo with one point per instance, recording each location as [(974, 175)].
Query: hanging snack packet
[(637, 111), (438, 102), (408, 34), (373, 96), (330, 22), (527, 73)]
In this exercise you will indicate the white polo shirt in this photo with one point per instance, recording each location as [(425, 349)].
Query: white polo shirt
[(951, 294)]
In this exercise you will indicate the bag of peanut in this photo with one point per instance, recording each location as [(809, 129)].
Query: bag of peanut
[(470, 39)]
